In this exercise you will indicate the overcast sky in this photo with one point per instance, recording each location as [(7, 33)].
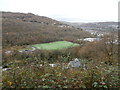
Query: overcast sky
[(66, 10)]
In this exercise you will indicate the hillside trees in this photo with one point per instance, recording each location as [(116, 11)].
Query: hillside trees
[(103, 50), (26, 29), (111, 47)]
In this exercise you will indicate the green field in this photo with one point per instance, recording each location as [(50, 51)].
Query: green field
[(55, 45)]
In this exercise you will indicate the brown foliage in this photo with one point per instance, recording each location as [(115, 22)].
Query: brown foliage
[(25, 29)]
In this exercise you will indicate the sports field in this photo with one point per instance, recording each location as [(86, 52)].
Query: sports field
[(55, 45)]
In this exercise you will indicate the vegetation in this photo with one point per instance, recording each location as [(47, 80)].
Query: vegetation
[(27, 29), (33, 69), (46, 77)]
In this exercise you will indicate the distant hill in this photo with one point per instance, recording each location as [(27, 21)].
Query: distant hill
[(25, 29), (97, 26)]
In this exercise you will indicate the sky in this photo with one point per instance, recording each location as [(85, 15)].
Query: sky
[(66, 10)]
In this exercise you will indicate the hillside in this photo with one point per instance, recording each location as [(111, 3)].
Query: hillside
[(25, 29), (39, 52), (97, 26)]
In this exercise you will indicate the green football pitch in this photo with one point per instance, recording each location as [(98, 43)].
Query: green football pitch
[(55, 45)]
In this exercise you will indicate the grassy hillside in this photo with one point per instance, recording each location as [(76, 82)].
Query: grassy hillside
[(25, 29)]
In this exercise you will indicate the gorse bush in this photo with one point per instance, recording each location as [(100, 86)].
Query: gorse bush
[(56, 77), (32, 70)]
